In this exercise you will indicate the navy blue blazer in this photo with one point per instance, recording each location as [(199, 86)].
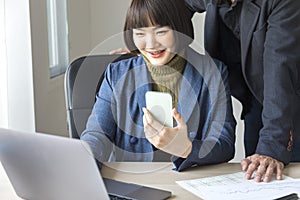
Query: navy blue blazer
[(204, 102), (264, 60)]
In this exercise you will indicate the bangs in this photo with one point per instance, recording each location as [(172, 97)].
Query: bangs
[(148, 13), (145, 15)]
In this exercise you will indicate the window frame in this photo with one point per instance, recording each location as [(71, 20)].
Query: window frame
[(58, 40)]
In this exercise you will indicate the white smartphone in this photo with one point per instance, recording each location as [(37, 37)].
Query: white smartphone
[(160, 106)]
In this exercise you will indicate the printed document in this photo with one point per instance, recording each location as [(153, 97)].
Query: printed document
[(235, 187)]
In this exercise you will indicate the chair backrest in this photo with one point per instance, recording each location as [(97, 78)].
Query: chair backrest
[(82, 80)]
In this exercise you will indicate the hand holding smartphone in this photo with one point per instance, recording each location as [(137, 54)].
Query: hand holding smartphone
[(160, 106)]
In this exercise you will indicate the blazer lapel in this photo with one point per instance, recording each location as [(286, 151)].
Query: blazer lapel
[(189, 92), (249, 17), (211, 30)]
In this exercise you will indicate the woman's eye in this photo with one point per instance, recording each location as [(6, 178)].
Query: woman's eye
[(139, 34), (161, 32)]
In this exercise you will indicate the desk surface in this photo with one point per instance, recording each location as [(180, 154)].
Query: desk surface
[(159, 175)]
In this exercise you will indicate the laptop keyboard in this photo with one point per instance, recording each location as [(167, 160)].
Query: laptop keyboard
[(118, 197)]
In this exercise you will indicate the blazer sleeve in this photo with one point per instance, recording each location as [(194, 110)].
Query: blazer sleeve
[(215, 142), (101, 127), (281, 60)]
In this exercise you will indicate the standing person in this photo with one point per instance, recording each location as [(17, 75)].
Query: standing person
[(204, 133), (259, 41)]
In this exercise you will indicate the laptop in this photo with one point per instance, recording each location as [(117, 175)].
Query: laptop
[(41, 166)]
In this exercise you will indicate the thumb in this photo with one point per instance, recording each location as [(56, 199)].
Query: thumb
[(177, 116)]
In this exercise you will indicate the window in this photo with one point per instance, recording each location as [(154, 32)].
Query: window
[(57, 36)]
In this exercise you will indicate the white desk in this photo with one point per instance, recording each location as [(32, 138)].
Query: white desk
[(159, 175)]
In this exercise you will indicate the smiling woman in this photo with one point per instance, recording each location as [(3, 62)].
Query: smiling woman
[(159, 32)]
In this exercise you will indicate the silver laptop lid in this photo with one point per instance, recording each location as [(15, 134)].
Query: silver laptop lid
[(42, 166)]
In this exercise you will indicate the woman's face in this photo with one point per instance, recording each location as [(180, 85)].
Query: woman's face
[(156, 43)]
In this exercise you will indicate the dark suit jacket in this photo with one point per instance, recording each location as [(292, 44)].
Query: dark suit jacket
[(264, 62)]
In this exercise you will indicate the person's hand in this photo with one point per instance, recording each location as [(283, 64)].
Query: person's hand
[(171, 140), (119, 51), (265, 166)]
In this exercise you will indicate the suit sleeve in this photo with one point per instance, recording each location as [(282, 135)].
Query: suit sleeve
[(196, 5), (281, 73)]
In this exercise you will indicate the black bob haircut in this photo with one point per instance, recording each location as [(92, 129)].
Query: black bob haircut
[(146, 13)]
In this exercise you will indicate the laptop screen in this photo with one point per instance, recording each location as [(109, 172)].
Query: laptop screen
[(42, 166)]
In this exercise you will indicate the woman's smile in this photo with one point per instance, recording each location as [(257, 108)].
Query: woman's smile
[(157, 54)]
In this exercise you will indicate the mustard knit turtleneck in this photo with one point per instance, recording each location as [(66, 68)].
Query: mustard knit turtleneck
[(168, 78)]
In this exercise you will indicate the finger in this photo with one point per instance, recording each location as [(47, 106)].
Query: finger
[(145, 123), (152, 121), (261, 170), (245, 163), (115, 51), (279, 169), (269, 172), (148, 129), (119, 51), (251, 168), (178, 117), (147, 115), (150, 132)]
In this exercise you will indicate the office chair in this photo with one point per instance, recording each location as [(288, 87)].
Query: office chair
[(82, 80)]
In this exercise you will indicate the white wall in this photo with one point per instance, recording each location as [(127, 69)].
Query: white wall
[(80, 28), (107, 18), (17, 102), (239, 144), (3, 69)]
